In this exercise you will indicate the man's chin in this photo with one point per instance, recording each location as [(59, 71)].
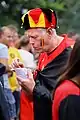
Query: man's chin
[(38, 51)]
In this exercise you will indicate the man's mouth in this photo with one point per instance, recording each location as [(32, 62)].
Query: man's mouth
[(36, 48)]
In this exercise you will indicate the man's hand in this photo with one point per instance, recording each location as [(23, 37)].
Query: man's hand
[(27, 84), (16, 64)]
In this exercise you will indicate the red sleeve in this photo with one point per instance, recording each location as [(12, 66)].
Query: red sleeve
[(26, 107)]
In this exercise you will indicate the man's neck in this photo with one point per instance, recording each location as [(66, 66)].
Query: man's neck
[(59, 39)]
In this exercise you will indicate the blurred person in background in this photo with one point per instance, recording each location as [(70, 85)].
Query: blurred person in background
[(30, 48), (28, 60), (4, 113), (41, 29), (73, 36), (25, 47), (11, 35), (7, 91)]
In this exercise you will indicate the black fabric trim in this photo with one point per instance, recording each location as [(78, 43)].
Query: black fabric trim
[(56, 19), (26, 24), (48, 14)]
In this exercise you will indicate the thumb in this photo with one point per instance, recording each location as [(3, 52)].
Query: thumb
[(30, 75)]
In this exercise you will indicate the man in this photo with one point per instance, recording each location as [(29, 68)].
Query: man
[(11, 35), (7, 92), (41, 29), (25, 47)]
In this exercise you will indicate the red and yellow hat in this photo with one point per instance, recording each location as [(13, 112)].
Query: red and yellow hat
[(39, 18)]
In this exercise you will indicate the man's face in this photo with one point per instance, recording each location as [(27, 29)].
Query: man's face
[(7, 36), (15, 36), (37, 37)]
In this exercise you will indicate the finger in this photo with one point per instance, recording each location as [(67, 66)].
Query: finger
[(16, 63), (21, 64), (19, 83), (12, 67), (17, 59), (19, 79)]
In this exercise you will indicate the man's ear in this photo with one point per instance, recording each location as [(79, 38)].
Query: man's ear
[(50, 31)]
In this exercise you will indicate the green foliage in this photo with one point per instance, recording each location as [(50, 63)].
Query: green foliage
[(67, 11), (69, 19)]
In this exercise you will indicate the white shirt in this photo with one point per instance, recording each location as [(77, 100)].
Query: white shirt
[(4, 54), (28, 59)]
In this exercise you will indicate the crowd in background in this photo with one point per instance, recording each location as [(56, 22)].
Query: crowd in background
[(14, 46)]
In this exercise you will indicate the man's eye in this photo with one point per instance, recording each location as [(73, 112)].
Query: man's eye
[(9, 36), (33, 37)]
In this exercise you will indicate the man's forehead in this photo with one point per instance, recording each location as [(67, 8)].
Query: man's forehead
[(7, 31), (34, 32)]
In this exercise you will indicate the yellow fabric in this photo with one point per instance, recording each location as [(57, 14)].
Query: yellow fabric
[(41, 22), (13, 53), (23, 17)]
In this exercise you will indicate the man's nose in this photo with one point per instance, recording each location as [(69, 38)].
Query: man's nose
[(31, 41), (11, 38)]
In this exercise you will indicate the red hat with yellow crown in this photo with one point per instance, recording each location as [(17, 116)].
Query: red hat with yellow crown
[(39, 18)]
